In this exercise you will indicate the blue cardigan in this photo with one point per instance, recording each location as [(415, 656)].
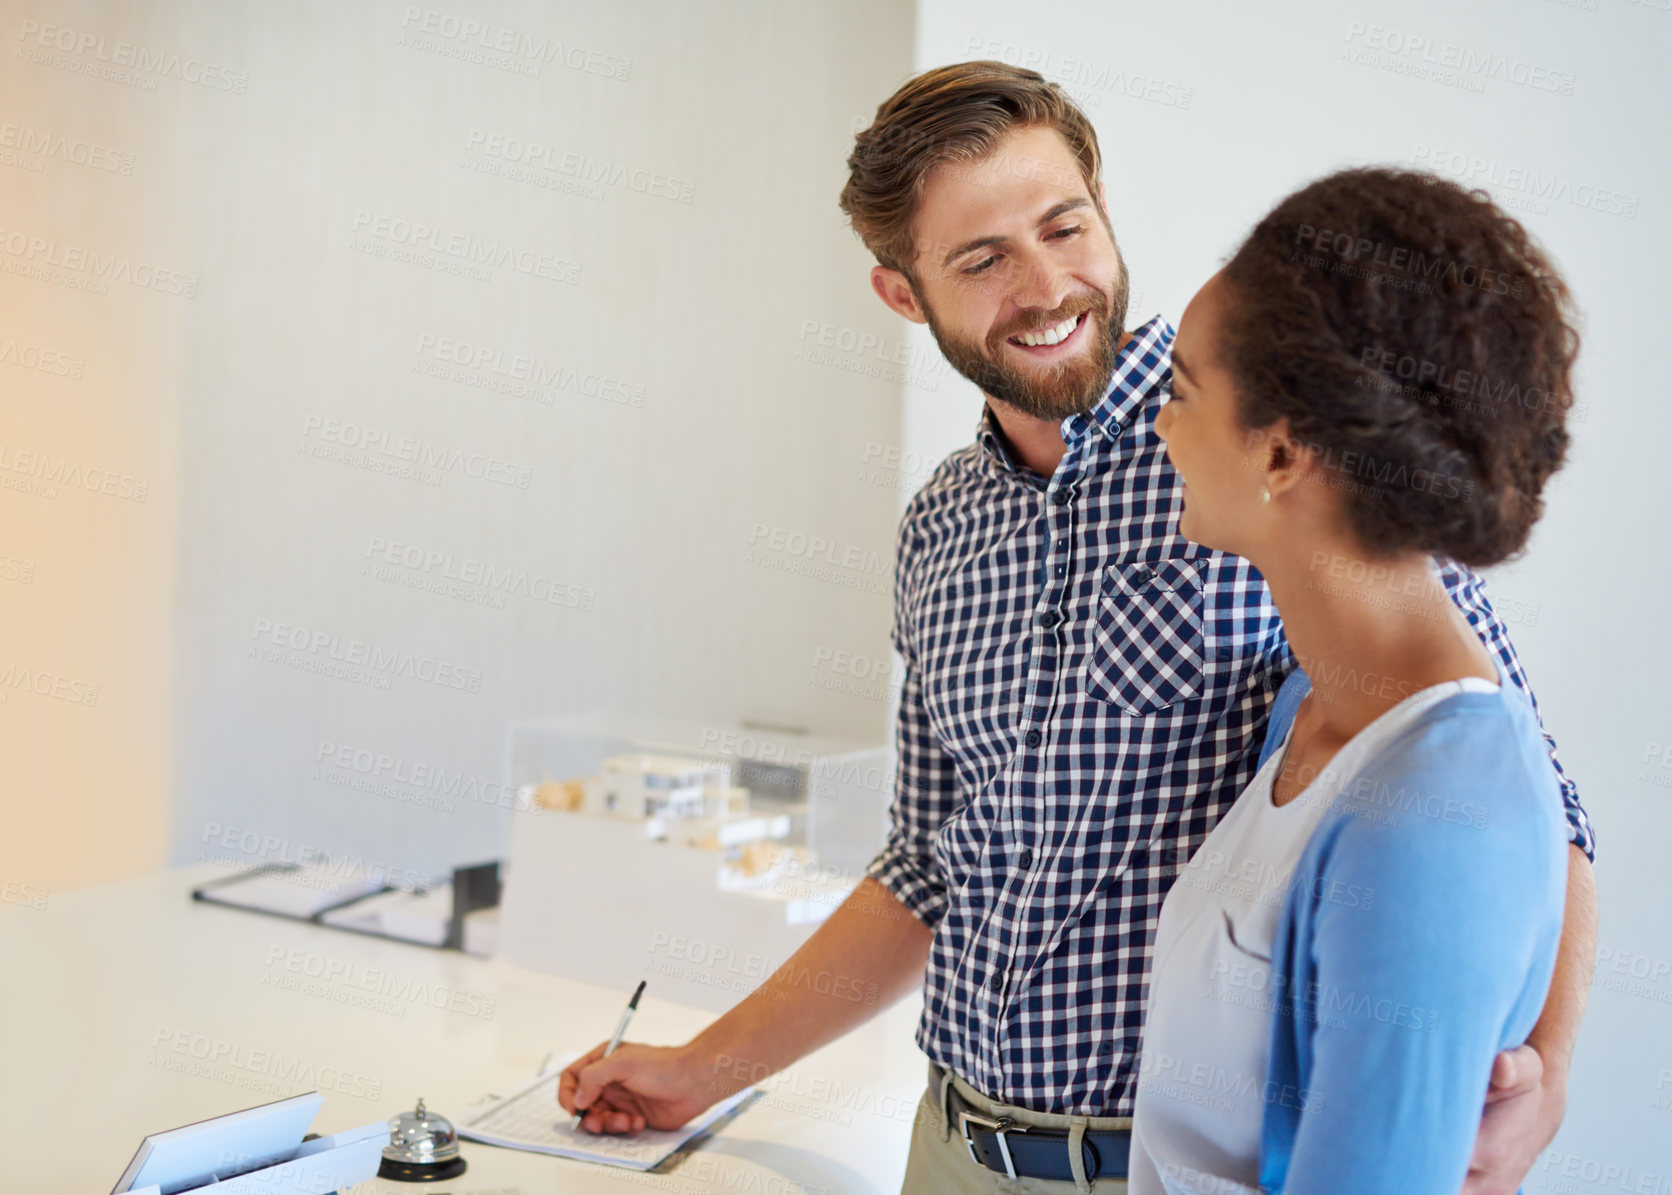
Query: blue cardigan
[(1418, 939)]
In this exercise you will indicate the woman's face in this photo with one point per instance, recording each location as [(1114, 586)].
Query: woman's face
[(1222, 462)]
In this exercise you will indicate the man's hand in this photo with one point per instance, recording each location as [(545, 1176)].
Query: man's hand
[(872, 941), (1522, 1116), (1528, 1095), (659, 1087)]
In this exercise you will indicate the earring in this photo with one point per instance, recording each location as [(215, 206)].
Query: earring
[(1265, 494)]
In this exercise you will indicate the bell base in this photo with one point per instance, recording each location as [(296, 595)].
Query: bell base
[(420, 1172)]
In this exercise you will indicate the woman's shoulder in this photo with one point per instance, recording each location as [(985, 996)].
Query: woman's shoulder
[(1281, 716), (1463, 795)]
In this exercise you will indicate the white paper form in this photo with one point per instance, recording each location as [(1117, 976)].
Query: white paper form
[(532, 1119)]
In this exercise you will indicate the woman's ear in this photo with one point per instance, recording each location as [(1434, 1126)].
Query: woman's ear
[(1287, 460)]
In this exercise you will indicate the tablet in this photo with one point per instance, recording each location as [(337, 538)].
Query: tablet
[(196, 1154)]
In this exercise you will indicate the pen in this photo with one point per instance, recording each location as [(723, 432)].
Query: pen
[(615, 1040)]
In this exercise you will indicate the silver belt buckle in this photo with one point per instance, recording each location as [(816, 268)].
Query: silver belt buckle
[(1000, 1127)]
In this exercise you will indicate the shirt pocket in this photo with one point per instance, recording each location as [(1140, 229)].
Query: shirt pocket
[(1146, 641)]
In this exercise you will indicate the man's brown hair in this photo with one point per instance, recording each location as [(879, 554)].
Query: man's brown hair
[(953, 113)]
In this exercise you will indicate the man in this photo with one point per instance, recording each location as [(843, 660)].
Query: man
[(1085, 691)]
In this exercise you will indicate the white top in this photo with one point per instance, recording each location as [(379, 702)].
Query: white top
[(1202, 1084)]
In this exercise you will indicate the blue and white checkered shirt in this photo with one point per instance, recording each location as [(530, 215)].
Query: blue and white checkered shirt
[(1085, 694)]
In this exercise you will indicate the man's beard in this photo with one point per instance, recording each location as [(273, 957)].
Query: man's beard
[(1070, 387)]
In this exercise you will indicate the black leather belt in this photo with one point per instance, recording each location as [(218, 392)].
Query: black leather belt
[(1023, 1151)]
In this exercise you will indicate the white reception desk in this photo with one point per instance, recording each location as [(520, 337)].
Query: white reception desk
[(130, 1008)]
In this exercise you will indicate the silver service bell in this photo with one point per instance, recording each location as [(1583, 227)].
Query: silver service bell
[(423, 1148)]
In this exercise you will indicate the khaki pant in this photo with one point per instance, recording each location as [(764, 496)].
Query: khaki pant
[(940, 1163)]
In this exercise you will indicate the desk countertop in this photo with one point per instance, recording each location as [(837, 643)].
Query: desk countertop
[(130, 1008)]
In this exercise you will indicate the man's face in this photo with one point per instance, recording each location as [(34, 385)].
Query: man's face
[(1013, 245)]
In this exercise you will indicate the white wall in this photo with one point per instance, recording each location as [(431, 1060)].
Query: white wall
[(700, 522), (1208, 113), (648, 517), (90, 357)]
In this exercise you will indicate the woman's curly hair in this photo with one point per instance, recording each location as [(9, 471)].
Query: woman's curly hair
[(1416, 337)]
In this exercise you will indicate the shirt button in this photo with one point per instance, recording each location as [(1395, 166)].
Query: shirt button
[(996, 982), (1025, 859), (1049, 619), (1033, 738), (1063, 497), (1142, 576)]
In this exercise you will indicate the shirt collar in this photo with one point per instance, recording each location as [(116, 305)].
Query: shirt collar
[(1141, 368), (987, 434)]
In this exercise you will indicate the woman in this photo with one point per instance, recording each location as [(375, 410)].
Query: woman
[(1379, 376)]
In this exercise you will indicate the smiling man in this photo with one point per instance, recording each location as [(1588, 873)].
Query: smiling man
[(1085, 692)]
